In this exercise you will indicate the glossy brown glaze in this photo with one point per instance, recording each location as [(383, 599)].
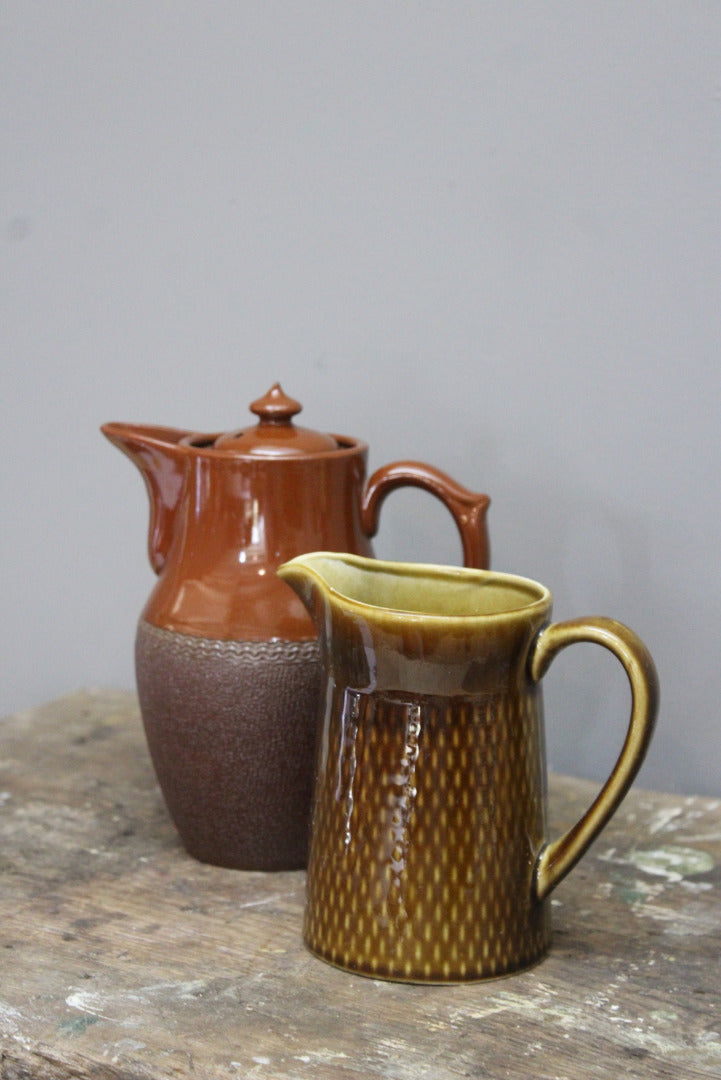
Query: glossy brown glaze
[(429, 857), (225, 511)]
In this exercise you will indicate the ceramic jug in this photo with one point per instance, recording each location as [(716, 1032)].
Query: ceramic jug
[(226, 655), (430, 859)]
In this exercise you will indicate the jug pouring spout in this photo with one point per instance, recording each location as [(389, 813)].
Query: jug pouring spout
[(311, 577), (162, 460)]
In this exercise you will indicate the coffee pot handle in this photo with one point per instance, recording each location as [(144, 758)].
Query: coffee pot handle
[(559, 856), (468, 508)]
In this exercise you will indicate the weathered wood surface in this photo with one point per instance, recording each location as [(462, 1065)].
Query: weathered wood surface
[(121, 957)]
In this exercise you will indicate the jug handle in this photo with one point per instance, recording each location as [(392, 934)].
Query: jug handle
[(468, 508), (559, 856)]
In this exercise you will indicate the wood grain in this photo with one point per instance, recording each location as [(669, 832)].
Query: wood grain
[(122, 957)]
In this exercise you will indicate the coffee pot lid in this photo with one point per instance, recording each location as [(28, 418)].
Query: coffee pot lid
[(275, 434)]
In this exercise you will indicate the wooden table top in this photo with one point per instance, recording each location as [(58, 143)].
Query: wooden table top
[(121, 957)]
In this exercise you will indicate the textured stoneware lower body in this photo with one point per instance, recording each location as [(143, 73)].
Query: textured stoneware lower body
[(231, 731), (427, 820)]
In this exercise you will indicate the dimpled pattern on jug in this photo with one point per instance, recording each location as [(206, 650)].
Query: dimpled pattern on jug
[(444, 800)]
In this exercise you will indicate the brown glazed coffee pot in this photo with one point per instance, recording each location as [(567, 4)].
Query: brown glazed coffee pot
[(226, 655)]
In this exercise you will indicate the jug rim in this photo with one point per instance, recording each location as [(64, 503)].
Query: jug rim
[(195, 444), (523, 595)]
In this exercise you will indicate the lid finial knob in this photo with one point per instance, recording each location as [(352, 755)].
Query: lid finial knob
[(276, 407)]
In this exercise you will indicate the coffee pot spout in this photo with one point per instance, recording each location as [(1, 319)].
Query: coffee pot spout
[(162, 461)]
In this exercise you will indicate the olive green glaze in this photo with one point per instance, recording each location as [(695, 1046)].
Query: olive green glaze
[(429, 857)]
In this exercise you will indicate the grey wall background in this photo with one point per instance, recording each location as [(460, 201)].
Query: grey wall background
[(482, 235)]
